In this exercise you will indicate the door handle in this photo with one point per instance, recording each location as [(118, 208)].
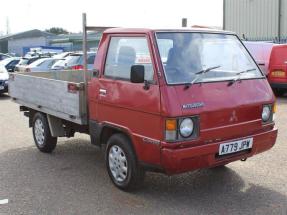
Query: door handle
[(103, 92)]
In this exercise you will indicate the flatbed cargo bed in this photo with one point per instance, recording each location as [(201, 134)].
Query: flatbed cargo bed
[(48, 92)]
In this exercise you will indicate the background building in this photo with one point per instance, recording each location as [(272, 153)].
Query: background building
[(74, 42), (264, 20), (14, 43), (20, 43)]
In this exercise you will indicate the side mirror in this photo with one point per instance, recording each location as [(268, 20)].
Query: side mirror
[(137, 74)]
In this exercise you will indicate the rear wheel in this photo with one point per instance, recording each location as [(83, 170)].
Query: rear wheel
[(122, 165), (42, 135)]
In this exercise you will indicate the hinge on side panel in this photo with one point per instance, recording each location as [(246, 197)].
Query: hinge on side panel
[(81, 86)]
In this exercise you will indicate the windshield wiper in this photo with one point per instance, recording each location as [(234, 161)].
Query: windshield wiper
[(199, 74), (238, 74)]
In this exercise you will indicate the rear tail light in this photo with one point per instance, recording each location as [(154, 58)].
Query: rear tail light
[(78, 67), (278, 74)]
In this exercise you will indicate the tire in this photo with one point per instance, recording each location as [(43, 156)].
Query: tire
[(220, 167), (278, 92), (42, 135), (121, 163)]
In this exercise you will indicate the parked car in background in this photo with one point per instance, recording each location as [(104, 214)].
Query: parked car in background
[(261, 52), (3, 56), (10, 63), (59, 65), (41, 65), (62, 55), (4, 76), (42, 50), (75, 61), (24, 62), (277, 76), (272, 59), (39, 54)]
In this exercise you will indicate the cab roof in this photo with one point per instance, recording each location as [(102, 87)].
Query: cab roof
[(148, 30)]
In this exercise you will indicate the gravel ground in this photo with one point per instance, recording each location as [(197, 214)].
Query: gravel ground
[(73, 179)]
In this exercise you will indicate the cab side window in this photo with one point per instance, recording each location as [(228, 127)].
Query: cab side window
[(123, 53)]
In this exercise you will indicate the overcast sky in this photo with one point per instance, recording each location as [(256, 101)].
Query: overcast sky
[(39, 14)]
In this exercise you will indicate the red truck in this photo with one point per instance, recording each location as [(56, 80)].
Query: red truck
[(272, 58), (168, 101)]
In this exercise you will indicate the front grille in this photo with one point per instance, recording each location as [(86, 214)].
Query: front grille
[(2, 83)]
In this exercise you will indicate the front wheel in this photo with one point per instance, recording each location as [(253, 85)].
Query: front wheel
[(122, 165), (42, 135)]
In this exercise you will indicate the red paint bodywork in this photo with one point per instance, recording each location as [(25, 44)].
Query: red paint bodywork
[(271, 58), (141, 113), (278, 62)]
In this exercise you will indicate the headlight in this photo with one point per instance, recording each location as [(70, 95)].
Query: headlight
[(186, 127), (266, 113)]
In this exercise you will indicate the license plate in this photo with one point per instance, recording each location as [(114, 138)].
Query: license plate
[(235, 146), (278, 73), (1, 87)]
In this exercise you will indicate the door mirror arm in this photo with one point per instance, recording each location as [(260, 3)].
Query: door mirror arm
[(95, 73), (146, 85)]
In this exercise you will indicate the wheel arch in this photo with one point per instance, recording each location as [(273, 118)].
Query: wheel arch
[(101, 132)]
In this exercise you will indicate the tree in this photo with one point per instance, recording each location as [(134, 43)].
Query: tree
[(56, 30)]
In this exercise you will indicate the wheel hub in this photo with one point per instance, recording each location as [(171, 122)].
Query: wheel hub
[(39, 132), (118, 163)]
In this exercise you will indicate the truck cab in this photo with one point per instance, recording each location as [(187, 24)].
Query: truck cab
[(197, 97)]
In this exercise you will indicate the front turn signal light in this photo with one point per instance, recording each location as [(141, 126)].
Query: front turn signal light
[(171, 129), (170, 124)]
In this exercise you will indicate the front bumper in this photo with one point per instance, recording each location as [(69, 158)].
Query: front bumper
[(279, 85), (183, 160)]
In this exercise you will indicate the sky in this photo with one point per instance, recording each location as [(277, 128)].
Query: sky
[(25, 15)]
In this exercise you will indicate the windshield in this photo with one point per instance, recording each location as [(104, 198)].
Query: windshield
[(59, 63), (38, 62), (184, 54), (73, 60), (24, 61)]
